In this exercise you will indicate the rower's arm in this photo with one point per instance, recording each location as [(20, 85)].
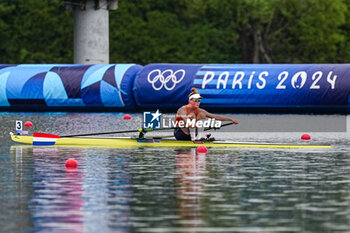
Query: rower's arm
[(219, 117), (182, 112)]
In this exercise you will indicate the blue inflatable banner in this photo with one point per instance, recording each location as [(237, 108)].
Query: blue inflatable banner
[(164, 86), (85, 86), (302, 85), (230, 86), (131, 87)]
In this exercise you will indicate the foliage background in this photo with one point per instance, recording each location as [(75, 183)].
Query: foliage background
[(185, 31)]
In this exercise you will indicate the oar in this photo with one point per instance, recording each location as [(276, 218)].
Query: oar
[(161, 137), (206, 129), (209, 128), (142, 130)]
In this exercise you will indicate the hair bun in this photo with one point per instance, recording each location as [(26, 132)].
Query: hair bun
[(193, 91)]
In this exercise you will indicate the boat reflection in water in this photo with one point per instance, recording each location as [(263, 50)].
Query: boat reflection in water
[(90, 198), (189, 186), (57, 202)]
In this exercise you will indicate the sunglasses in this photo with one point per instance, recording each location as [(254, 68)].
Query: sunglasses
[(197, 100)]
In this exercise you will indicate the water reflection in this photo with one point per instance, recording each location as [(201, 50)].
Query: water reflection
[(107, 192), (92, 198), (15, 191), (167, 190), (189, 185), (57, 202)]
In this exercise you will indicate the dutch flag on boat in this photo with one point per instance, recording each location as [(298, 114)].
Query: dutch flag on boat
[(43, 139)]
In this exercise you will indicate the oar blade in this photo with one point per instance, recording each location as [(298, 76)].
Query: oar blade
[(44, 139)]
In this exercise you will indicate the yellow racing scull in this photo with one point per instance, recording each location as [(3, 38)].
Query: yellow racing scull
[(130, 143)]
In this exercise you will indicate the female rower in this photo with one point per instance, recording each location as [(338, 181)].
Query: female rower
[(190, 112)]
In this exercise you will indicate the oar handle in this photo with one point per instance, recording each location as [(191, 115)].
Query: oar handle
[(209, 128)]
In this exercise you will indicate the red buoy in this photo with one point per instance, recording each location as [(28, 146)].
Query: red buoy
[(305, 137), (71, 163), (127, 117), (28, 124), (202, 149)]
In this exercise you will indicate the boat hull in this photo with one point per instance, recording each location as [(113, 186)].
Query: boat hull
[(130, 143)]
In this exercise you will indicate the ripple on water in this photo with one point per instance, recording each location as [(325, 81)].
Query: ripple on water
[(167, 190)]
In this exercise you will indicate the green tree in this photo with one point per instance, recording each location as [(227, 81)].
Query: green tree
[(310, 33), (185, 31), (37, 32), (6, 18), (343, 54), (150, 32), (286, 31)]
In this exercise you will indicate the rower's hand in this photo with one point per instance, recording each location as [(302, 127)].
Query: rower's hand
[(235, 122)]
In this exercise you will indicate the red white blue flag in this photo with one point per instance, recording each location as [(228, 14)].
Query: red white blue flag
[(43, 139)]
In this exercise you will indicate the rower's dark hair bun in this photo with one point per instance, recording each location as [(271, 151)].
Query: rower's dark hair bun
[(193, 91)]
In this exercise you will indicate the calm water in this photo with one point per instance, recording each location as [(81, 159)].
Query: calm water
[(171, 190)]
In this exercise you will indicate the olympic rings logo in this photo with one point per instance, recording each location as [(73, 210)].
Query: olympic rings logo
[(167, 79)]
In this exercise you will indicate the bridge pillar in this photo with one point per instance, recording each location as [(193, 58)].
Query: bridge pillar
[(91, 30)]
